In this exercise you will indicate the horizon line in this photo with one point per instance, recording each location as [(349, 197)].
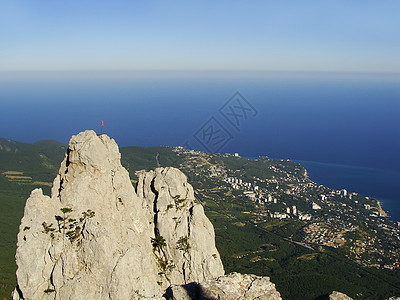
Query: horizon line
[(104, 72)]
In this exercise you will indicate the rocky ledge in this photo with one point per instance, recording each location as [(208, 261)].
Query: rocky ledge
[(232, 286)]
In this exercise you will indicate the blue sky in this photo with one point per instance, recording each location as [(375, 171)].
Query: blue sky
[(339, 36)]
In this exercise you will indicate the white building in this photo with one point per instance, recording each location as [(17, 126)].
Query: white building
[(250, 195), (294, 210), (278, 215), (305, 217), (315, 206)]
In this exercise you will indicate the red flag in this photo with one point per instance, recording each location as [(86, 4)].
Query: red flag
[(102, 123)]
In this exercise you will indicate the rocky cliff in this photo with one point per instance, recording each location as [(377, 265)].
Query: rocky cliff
[(97, 237)]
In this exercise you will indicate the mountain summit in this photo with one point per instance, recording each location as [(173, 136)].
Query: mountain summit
[(97, 237)]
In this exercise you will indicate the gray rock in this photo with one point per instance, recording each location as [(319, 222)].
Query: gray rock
[(239, 286), (339, 296), (189, 254), (103, 249), (229, 287), (95, 238)]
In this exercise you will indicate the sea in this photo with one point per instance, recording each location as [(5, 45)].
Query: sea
[(343, 127)]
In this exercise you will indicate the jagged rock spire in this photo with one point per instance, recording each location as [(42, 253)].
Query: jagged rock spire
[(95, 238)]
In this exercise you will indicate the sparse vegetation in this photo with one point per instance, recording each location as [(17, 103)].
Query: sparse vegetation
[(48, 229), (64, 210), (87, 215), (69, 227), (158, 242), (183, 244), (179, 202)]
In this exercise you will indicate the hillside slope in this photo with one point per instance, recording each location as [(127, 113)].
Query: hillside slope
[(248, 247)]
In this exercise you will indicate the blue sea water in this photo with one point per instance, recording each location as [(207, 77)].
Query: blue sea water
[(349, 122), (381, 184)]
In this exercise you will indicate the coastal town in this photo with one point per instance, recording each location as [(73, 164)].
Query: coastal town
[(271, 191)]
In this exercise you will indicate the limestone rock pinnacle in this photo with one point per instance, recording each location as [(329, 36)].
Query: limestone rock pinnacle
[(97, 237)]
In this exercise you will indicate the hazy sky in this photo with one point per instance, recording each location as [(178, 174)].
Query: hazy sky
[(361, 36)]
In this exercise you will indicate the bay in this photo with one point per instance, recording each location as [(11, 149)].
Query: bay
[(380, 184)]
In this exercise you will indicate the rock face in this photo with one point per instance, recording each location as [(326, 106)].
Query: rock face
[(229, 287), (98, 238), (92, 235), (189, 253), (339, 296), (239, 286)]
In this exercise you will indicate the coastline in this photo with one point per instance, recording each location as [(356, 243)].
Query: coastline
[(378, 184), (388, 207), (382, 212)]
